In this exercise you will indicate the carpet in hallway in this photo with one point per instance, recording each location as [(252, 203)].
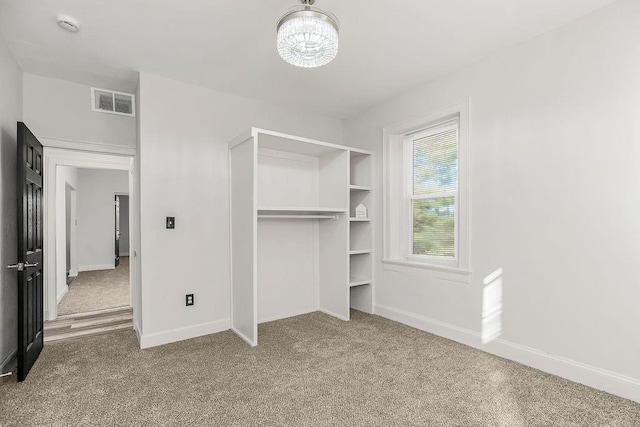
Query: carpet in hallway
[(97, 290)]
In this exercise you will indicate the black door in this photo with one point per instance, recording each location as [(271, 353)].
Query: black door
[(30, 283), (117, 262)]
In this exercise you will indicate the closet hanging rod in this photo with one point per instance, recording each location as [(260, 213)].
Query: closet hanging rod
[(298, 216)]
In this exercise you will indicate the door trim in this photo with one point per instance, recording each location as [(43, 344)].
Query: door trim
[(87, 146), (54, 157)]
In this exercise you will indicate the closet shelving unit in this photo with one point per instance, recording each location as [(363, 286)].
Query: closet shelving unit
[(294, 247), (360, 232)]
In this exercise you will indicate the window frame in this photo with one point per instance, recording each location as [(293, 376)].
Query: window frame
[(398, 190), (410, 197)]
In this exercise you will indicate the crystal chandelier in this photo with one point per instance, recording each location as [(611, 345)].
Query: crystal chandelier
[(308, 36)]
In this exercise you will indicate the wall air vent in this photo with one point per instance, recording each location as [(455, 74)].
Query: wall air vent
[(108, 101)]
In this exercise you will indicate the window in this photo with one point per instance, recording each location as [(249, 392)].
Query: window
[(431, 171), (426, 195)]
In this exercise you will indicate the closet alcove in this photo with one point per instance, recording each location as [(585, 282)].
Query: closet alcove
[(296, 245)]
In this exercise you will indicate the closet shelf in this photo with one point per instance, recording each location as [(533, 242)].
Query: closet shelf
[(289, 212), (269, 216), (354, 283), (360, 252), (352, 219), (359, 188)]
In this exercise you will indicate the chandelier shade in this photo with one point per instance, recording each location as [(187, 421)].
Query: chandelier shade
[(308, 36)]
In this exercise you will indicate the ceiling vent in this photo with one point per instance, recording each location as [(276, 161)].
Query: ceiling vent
[(108, 101)]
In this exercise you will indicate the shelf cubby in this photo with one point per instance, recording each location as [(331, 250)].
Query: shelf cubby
[(360, 237), (359, 197), (360, 167), (360, 269)]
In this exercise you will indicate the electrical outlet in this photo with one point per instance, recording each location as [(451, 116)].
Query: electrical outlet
[(171, 222), (189, 299)]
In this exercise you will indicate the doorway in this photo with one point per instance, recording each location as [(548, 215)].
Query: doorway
[(101, 281), (82, 280)]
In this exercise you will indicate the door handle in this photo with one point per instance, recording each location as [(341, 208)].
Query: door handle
[(22, 265), (19, 266)]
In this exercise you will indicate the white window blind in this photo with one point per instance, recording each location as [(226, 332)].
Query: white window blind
[(434, 190)]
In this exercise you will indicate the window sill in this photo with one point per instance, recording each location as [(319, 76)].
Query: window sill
[(451, 274)]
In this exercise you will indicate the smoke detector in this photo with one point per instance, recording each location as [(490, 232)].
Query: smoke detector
[(68, 23)]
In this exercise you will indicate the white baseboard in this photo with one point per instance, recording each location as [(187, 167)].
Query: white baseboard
[(124, 253), (8, 361), (332, 314), (73, 272), (96, 267), (63, 293), (601, 379), (179, 334), (286, 316)]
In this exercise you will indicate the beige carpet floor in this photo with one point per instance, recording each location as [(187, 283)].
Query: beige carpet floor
[(310, 370), (97, 290)]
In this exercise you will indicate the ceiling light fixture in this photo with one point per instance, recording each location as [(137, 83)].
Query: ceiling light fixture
[(68, 23), (308, 36)]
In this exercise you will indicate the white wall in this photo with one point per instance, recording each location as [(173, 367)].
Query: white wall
[(10, 114), (184, 131), (96, 216), (64, 176), (58, 112), (555, 201)]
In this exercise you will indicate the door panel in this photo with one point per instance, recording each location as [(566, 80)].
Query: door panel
[(244, 312), (30, 251)]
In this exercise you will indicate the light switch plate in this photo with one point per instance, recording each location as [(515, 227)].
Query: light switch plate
[(171, 222)]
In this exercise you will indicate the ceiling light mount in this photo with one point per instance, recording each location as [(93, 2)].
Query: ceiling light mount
[(68, 23), (308, 36)]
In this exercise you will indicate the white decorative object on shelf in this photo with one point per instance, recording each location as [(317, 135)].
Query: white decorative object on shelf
[(361, 211)]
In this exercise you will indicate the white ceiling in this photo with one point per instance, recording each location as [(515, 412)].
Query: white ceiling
[(386, 46)]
